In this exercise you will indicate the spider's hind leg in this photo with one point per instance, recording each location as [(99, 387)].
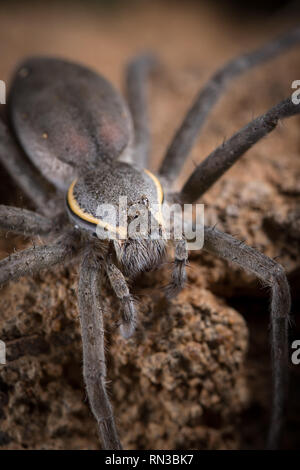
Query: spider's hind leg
[(33, 260), (272, 275), (25, 174), (25, 222), (136, 84)]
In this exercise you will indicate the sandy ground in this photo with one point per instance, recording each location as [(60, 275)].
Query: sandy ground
[(221, 406)]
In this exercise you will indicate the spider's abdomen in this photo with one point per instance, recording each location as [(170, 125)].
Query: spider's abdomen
[(67, 117)]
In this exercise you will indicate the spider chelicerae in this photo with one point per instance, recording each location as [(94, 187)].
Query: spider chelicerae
[(71, 143)]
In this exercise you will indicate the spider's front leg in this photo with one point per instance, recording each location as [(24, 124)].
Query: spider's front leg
[(224, 156), (178, 277), (23, 221), (33, 260), (120, 288), (272, 275), (94, 368), (207, 97)]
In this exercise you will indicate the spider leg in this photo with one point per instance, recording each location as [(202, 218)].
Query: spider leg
[(207, 97), (178, 277), (272, 275), (224, 156), (33, 260), (14, 219), (94, 368), (136, 80), (24, 173), (120, 288)]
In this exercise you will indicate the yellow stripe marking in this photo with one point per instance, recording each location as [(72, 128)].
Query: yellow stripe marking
[(160, 194), (88, 217), (74, 206), (159, 189)]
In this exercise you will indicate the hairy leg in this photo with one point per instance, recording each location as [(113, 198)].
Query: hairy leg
[(33, 260), (224, 156), (94, 368), (120, 288), (14, 219), (178, 278), (207, 97), (24, 174), (272, 275), (136, 83)]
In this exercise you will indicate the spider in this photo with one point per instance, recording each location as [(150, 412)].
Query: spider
[(71, 143)]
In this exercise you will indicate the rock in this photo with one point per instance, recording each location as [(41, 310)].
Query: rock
[(180, 378)]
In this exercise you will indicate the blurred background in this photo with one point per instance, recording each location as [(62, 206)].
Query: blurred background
[(193, 37), (259, 199)]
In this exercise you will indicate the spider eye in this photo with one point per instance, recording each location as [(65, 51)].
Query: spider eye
[(145, 200), (133, 216)]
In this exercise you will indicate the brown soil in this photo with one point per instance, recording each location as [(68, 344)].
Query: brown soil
[(185, 380)]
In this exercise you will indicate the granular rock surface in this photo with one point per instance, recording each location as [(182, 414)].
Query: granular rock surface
[(177, 384)]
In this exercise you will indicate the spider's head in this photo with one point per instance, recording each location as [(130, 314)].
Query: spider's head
[(121, 204)]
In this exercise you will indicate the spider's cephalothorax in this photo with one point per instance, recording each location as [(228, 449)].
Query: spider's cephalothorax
[(70, 130), (127, 191)]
